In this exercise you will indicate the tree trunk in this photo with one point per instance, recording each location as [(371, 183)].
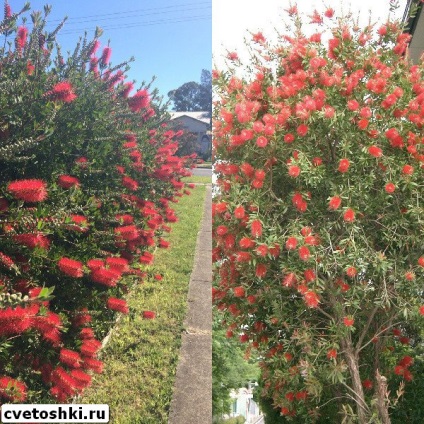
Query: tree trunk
[(382, 398), (358, 395)]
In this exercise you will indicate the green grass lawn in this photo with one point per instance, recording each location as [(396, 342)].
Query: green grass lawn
[(141, 356), (197, 179)]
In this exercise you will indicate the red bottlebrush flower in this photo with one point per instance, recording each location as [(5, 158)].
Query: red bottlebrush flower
[(120, 264), (304, 253), (86, 333), (247, 169), (317, 161), (90, 347), (32, 240), (128, 87), (349, 215), (396, 332), (399, 370), (256, 228), (421, 261), (129, 183), (302, 130), (261, 141), (70, 358), (404, 340), (221, 230), (81, 377), (243, 257), (93, 364), (105, 57), (363, 124), (28, 190), (406, 361), (30, 68), (351, 271), (146, 258), (332, 354), (289, 280), (62, 91), (106, 277), (164, 244), (343, 165), (329, 12), (407, 170), (352, 105), (348, 321), (421, 310), (291, 243), (127, 232), (95, 264), (119, 305), (246, 243), (239, 291), (294, 171), (367, 384), (7, 11), (309, 275), (289, 138), (261, 270), (239, 212), (407, 375), (375, 151), (21, 37), (140, 100), (262, 250), (389, 188), (67, 181), (6, 261), (149, 315), (12, 389), (410, 276), (71, 267), (289, 396), (311, 299), (334, 203)]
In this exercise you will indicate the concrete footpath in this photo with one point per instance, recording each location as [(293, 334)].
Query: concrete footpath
[(192, 397)]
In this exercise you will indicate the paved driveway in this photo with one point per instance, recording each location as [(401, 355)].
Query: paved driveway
[(202, 172)]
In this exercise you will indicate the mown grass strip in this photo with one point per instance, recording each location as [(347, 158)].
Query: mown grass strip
[(197, 179), (141, 356)]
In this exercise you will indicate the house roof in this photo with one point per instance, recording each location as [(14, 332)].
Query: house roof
[(198, 116)]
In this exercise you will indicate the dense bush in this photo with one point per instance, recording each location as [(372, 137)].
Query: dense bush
[(87, 176), (318, 221)]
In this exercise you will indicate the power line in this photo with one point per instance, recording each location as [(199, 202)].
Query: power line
[(177, 7), (140, 24)]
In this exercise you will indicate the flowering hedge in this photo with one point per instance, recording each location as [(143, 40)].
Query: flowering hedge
[(87, 178), (318, 218)]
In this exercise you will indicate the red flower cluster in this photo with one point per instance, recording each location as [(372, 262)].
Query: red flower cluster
[(119, 305), (71, 267), (28, 190), (63, 92)]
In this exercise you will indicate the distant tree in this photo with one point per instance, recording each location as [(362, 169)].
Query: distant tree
[(230, 370), (192, 96)]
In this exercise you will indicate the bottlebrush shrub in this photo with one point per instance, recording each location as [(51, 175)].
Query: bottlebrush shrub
[(88, 174), (317, 260)]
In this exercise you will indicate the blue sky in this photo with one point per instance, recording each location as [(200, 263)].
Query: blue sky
[(169, 39)]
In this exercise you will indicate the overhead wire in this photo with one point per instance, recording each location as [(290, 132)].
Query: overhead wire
[(134, 11)]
